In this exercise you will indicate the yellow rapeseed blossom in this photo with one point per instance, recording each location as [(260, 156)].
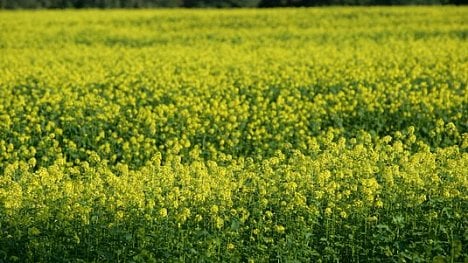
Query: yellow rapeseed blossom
[(334, 134)]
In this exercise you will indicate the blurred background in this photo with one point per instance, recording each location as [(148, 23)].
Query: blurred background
[(27, 4)]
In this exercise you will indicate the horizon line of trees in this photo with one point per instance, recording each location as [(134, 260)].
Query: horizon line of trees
[(60, 4)]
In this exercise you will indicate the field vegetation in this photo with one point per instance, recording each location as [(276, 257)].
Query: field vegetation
[(292, 135)]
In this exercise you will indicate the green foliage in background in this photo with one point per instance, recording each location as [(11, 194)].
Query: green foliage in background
[(295, 135)]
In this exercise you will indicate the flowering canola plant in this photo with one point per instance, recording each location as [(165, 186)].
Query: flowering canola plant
[(289, 135)]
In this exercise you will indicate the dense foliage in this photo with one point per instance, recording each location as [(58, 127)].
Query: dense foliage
[(12, 4), (234, 136)]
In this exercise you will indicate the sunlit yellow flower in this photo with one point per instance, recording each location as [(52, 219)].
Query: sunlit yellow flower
[(163, 212)]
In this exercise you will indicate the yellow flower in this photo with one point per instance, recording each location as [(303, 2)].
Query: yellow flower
[(198, 218), (163, 212), (214, 209), (120, 214), (379, 204), (280, 229), (219, 222), (343, 214)]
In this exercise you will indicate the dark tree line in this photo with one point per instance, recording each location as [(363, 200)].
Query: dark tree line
[(13, 4), (300, 3)]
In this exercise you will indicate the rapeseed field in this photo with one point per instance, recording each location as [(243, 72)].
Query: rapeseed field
[(272, 135)]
